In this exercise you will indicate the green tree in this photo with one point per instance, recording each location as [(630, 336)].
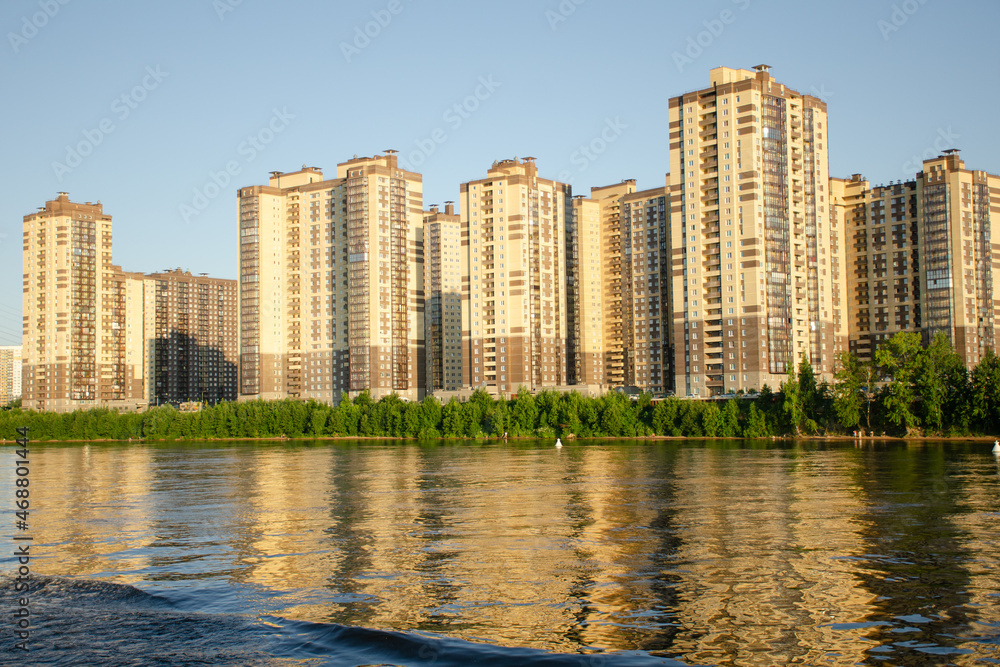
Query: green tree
[(756, 424), (690, 422), (984, 393), (711, 420), (612, 417), (848, 398), (412, 414), (499, 419), (524, 413), (451, 419), (730, 420), (808, 394), (899, 358), (940, 383), (663, 416), (430, 414), (791, 401)]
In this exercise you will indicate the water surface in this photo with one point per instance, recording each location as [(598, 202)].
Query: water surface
[(614, 553)]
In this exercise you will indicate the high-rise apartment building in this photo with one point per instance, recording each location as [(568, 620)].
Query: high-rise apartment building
[(920, 257), (10, 373), (331, 283), (619, 273), (646, 315), (752, 241), (515, 310), (443, 298), (193, 344), (615, 276), (585, 296), (74, 342)]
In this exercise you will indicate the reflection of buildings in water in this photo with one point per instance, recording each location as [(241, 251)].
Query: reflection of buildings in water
[(599, 549), (500, 547), (620, 593), (277, 500), (720, 556), (761, 538), (925, 556), (379, 547), (977, 520), (80, 494), (459, 547)]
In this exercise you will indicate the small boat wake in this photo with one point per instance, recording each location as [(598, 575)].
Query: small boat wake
[(92, 622)]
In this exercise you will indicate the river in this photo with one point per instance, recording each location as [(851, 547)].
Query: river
[(600, 553)]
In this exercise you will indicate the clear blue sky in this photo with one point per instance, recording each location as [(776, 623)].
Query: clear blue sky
[(199, 79)]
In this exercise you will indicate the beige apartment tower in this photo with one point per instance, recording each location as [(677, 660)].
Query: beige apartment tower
[(443, 298), (609, 198), (331, 283), (921, 257), (752, 243), (514, 308), (75, 352), (619, 294), (585, 297), (646, 310), (10, 373)]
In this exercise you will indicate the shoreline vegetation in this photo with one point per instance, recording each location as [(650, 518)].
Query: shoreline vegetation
[(492, 439), (907, 392)]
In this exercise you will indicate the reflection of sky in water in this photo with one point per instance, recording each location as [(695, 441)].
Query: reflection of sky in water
[(717, 555)]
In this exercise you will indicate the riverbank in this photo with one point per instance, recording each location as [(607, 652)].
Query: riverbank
[(334, 438)]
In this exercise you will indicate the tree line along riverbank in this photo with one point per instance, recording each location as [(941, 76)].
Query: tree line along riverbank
[(905, 390)]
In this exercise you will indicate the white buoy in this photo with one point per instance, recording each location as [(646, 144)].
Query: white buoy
[(996, 446), (558, 443)]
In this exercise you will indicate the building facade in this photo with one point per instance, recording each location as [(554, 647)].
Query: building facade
[(615, 276), (921, 257), (443, 298), (647, 310), (515, 306), (331, 283), (10, 373), (192, 347), (585, 297), (74, 343), (752, 243)]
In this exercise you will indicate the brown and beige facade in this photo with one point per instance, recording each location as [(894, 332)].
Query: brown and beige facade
[(443, 298), (515, 305), (10, 373), (97, 336), (747, 259), (585, 294), (75, 353), (191, 336), (331, 283), (923, 257), (647, 305), (619, 289), (615, 276), (752, 244)]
